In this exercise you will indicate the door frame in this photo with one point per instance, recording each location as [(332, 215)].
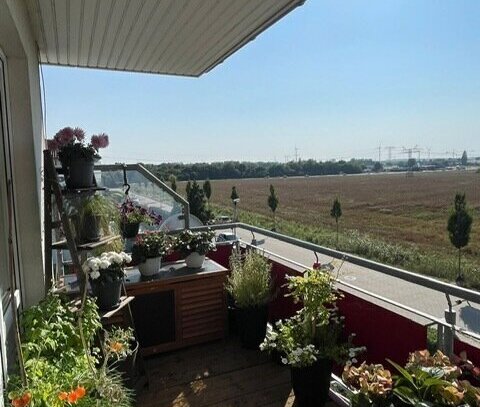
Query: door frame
[(6, 302)]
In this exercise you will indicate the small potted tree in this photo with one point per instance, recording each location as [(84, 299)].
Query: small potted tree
[(105, 274), (77, 157), (148, 250), (131, 215), (309, 342), (95, 215), (250, 285), (194, 246)]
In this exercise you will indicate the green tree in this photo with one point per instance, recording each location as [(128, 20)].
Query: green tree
[(207, 190), (412, 162), (336, 212), (173, 182), (197, 201), (377, 167), (464, 159), (273, 204), (459, 227), (234, 194), (188, 187), (235, 198)]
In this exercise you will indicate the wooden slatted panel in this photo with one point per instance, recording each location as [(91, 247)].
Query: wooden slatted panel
[(202, 308)]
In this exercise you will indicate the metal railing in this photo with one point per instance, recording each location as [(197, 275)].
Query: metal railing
[(446, 327)]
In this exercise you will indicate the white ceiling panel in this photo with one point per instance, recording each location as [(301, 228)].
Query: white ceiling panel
[(177, 37)]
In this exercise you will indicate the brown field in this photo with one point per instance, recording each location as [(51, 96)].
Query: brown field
[(387, 206)]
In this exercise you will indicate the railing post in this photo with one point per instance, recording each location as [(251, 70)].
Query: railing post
[(449, 333)]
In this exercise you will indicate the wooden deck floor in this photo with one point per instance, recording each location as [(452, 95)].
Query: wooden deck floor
[(219, 374)]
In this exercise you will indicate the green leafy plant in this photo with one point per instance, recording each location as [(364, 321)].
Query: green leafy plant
[(150, 245), (189, 241), (315, 331), (417, 387), (96, 207), (59, 371), (250, 281)]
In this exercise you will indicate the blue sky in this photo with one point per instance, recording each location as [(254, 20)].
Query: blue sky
[(334, 78)]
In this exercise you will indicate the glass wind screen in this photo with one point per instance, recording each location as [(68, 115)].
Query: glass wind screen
[(145, 193)]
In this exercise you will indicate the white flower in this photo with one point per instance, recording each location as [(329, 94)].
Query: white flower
[(94, 275), (284, 361)]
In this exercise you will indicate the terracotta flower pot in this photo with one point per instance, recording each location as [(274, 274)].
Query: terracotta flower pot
[(195, 260), (150, 267)]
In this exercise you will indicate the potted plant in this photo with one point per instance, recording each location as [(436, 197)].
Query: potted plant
[(194, 246), (62, 363), (148, 250), (310, 341), (132, 214), (372, 385), (105, 274), (94, 216), (77, 157), (250, 285)]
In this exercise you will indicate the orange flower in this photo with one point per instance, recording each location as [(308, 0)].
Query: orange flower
[(80, 391), (116, 346), (63, 395), (72, 397), (22, 401)]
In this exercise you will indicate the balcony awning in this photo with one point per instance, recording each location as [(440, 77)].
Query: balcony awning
[(178, 37)]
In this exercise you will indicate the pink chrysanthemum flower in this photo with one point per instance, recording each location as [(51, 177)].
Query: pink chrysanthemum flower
[(99, 141), (79, 133), (64, 136)]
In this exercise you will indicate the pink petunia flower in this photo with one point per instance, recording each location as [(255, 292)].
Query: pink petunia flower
[(79, 133), (99, 141)]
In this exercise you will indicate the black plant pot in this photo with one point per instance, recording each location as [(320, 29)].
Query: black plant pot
[(88, 229), (107, 293), (130, 230), (79, 174), (312, 383), (252, 326)]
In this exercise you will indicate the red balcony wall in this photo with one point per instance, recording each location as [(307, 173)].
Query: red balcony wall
[(473, 353), (385, 333)]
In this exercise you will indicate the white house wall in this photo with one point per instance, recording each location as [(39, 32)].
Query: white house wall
[(18, 45)]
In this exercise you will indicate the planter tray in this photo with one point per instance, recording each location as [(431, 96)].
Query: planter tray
[(123, 302), (62, 244)]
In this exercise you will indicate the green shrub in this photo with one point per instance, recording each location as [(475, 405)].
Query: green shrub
[(250, 281)]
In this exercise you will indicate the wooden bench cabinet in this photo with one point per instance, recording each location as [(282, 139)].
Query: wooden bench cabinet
[(178, 307)]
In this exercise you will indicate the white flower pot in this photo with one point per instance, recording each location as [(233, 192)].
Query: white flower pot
[(150, 267), (195, 260)]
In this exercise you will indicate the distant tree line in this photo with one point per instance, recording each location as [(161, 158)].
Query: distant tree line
[(238, 169)]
